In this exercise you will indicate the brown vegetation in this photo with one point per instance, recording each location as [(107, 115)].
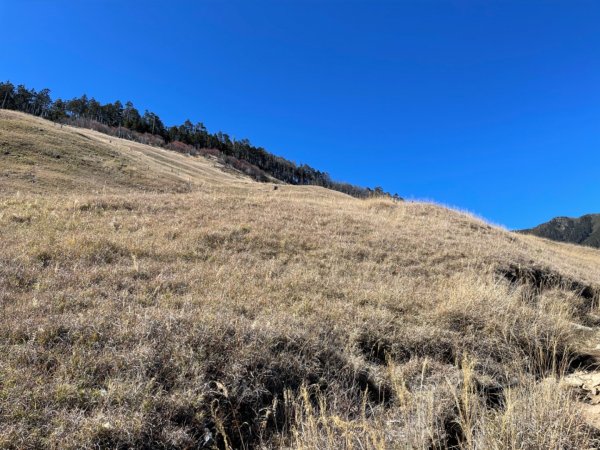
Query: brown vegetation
[(214, 311)]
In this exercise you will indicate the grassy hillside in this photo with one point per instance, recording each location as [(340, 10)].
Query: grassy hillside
[(584, 230), (125, 121), (39, 156), (192, 308)]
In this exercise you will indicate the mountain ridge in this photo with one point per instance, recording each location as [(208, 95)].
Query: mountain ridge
[(584, 230), (125, 121)]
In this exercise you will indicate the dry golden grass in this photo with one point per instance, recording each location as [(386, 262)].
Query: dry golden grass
[(39, 156), (164, 312)]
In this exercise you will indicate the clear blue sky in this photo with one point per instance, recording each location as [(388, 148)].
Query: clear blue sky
[(490, 106)]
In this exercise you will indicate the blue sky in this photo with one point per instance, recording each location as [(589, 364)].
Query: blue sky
[(489, 106)]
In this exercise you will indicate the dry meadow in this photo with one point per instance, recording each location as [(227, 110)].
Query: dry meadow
[(154, 300)]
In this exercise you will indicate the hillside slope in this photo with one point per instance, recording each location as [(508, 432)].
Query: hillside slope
[(583, 230), (37, 155), (152, 310), (125, 121)]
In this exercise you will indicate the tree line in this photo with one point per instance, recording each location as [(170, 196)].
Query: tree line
[(125, 121)]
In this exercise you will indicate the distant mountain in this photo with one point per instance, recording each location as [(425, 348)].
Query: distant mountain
[(584, 230)]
